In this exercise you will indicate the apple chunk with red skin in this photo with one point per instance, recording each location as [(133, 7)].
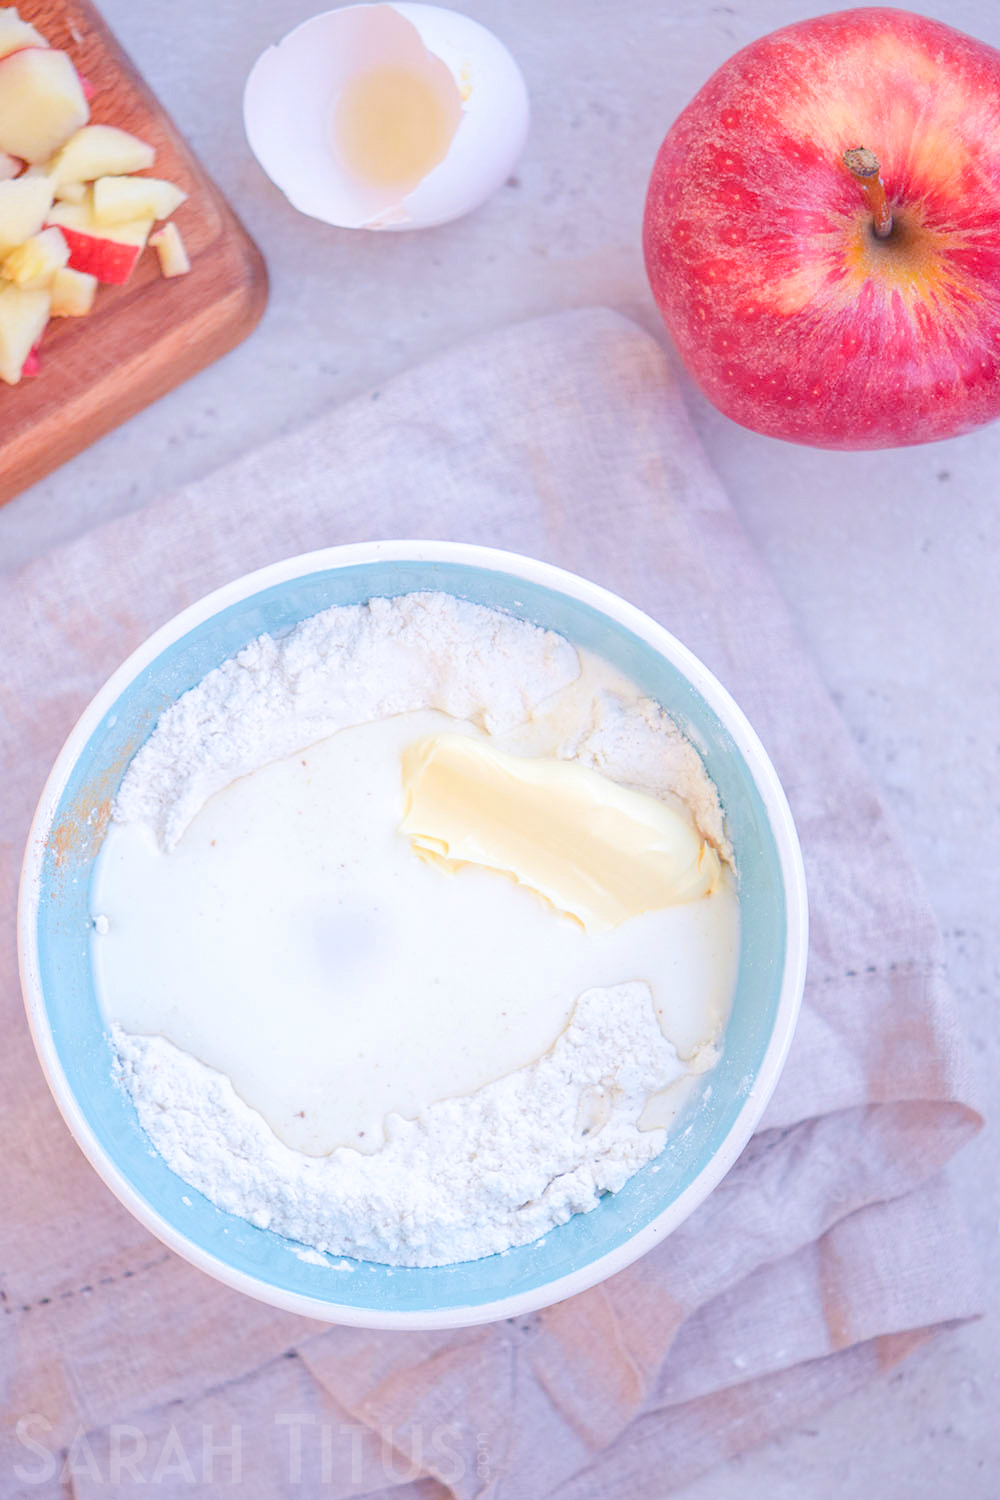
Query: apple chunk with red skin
[(792, 313), (107, 251), (23, 316)]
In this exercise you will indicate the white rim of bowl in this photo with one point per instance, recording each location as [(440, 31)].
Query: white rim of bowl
[(792, 980)]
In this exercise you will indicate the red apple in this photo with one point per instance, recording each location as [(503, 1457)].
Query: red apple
[(791, 312)]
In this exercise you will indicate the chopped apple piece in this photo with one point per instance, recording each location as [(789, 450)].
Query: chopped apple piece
[(71, 192), (73, 293), (41, 102), (119, 199), (107, 251), (33, 264), (99, 151), (15, 33), (170, 249), (24, 204), (23, 316), (10, 166)]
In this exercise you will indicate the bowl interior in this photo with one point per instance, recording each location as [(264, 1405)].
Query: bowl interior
[(352, 1289)]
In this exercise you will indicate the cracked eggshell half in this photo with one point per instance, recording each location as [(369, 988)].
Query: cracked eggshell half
[(305, 127)]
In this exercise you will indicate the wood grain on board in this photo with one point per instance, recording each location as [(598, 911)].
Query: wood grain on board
[(147, 336)]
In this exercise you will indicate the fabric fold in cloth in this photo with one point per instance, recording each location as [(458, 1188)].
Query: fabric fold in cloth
[(830, 1251)]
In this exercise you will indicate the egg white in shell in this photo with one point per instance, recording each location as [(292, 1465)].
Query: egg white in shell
[(291, 99)]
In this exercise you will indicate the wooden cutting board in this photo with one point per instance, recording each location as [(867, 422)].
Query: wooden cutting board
[(147, 336)]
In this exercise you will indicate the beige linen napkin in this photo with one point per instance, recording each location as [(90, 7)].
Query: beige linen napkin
[(831, 1249)]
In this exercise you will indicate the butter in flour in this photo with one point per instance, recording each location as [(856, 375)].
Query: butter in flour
[(599, 852)]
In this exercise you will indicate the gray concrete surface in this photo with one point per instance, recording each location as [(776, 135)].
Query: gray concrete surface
[(889, 560)]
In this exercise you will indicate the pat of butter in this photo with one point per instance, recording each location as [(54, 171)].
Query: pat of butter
[(596, 850)]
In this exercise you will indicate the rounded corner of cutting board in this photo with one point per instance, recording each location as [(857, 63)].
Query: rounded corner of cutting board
[(254, 284)]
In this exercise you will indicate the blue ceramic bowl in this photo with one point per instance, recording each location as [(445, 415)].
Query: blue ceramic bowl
[(73, 1043)]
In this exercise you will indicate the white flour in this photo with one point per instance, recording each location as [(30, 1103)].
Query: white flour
[(470, 1175)]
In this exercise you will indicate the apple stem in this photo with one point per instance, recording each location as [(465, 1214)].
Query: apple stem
[(863, 166)]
